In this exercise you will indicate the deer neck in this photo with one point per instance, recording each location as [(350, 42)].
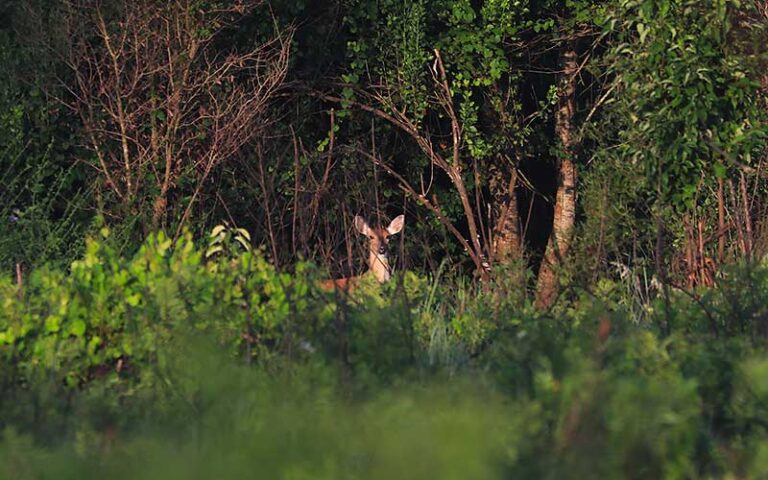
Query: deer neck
[(379, 265)]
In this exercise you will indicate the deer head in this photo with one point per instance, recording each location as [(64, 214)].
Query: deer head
[(378, 243)]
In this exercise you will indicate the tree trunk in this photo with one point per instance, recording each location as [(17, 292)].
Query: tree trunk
[(762, 7), (507, 246), (565, 199), (158, 210)]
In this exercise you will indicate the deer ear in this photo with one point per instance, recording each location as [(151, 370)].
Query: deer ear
[(396, 225), (361, 225)]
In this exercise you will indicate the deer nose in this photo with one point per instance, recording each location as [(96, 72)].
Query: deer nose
[(382, 249)]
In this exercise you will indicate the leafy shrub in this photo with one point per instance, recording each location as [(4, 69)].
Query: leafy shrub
[(110, 319), (171, 357)]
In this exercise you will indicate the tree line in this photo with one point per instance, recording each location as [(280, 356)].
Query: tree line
[(568, 139)]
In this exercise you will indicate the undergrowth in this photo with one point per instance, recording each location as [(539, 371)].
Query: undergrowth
[(174, 364)]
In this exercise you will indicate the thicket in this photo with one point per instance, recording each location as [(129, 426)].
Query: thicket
[(580, 285)]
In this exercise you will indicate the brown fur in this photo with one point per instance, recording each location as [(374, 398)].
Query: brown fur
[(378, 260)]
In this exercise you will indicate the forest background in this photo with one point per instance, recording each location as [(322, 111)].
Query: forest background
[(580, 285)]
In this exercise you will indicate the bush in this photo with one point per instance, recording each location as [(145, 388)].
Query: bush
[(168, 363)]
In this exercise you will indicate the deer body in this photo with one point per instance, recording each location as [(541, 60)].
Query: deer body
[(378, 254)]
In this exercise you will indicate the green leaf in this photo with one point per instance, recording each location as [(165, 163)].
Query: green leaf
[(643, 31), (93, 344), (720, 170), (77, 328), (213, 250), (242, 241), (244, 233), (52, 324), (133, 300), (217, 230)]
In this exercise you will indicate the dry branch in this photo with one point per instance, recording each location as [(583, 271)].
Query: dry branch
[(379, 103), (158, 103)]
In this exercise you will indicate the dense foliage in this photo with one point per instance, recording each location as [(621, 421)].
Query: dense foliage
[(579, 290), (225, 365)]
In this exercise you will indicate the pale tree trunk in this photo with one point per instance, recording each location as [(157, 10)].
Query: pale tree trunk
[(565, 199), (507, 246)]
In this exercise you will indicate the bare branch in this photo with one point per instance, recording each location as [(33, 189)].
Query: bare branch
[(154, 97)]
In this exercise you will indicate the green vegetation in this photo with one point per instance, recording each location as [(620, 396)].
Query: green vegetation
[(580, 289), (167, 364)]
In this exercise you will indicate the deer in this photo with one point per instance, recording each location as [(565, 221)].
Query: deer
[(378, 257)]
